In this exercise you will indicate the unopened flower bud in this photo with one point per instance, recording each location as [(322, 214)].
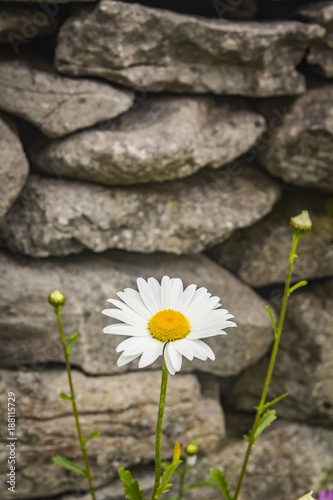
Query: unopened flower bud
[(56, 299), (308, 496), (301, 224), (191, 452)]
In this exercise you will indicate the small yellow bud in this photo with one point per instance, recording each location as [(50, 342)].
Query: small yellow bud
[(308, 496), (56, 299), (301, 224), (192, 449)]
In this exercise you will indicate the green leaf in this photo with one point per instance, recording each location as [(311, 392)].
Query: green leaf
[(62, 395), (271, 317), (298, 285), (67, 464), (220, 480), (91, 436), (267, 405), (169, 470), (266, 419), (71, 341), (131, 487), (199, 484)]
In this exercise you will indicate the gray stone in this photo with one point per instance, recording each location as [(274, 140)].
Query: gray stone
[(301, 150), (259, 255), (160, 139), (58, 217), (16, 22), (123, 409), (286, 462), (29, 333), (157, 50), (321, 52), (14, 165), (57, 105), (304, 366)]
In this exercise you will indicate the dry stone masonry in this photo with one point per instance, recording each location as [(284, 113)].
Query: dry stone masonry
[(157, 138)]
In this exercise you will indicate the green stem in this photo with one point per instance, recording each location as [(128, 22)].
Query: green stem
[(76, 415), (159, 429), (182, 483), (270, 366)]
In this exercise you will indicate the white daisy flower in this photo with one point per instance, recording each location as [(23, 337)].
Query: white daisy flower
[(166, 319)]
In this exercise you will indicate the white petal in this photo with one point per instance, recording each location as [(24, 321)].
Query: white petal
[(177, 290), (122, 329), (151, 354), (208, 351), (198, 351), (133, 299), (124, 307), (183, 346), (168, 363), (147, 295), (186, 298), (129, 318), (175, 356), (156, 289), (197, 298), (166, 293), (123, 360), (203, 335), (134, 345)]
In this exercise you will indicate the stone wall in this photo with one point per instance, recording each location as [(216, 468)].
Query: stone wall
[(153, 138)]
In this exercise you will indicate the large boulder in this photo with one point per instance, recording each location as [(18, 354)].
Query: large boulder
[(301, 149), (155, 50), (304, 366), (259, 254), (29, 333), (14, 165), (161, 138), (58, 217), (321, 52), (18, 23), (57, 105), (123, 409)]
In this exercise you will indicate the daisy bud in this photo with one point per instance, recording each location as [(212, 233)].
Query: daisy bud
[(308, 496), (56, 299), (191, 454), (301, 224)]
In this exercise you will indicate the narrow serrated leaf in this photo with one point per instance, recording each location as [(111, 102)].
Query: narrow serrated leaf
[(71, 341), (271, 317), (67, 464), (266, 419), (62, 395), (91, 436), (131, 487), (220, 480), (169, 470), (271, 403), (199, 484), (298, 285)]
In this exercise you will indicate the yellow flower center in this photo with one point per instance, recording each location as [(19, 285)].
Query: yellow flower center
[(169, 325)]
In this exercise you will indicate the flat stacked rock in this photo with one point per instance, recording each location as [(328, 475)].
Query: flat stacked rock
[(58, 217), (88, 281), (161, 138), (321, 52), (57, 105), (301, 150), (14, 165), (259, 255), (182, 53), (111, 406), (17, 21)]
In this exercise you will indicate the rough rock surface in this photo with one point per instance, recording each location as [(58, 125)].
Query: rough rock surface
[(301, 150), (182, 53), (17, 21), (287, 461), (88, 281), (321, 52), (304, 367), (259, 255), (57, 105), (14, 165), (58, 217), (162, 138), (123, 409)]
